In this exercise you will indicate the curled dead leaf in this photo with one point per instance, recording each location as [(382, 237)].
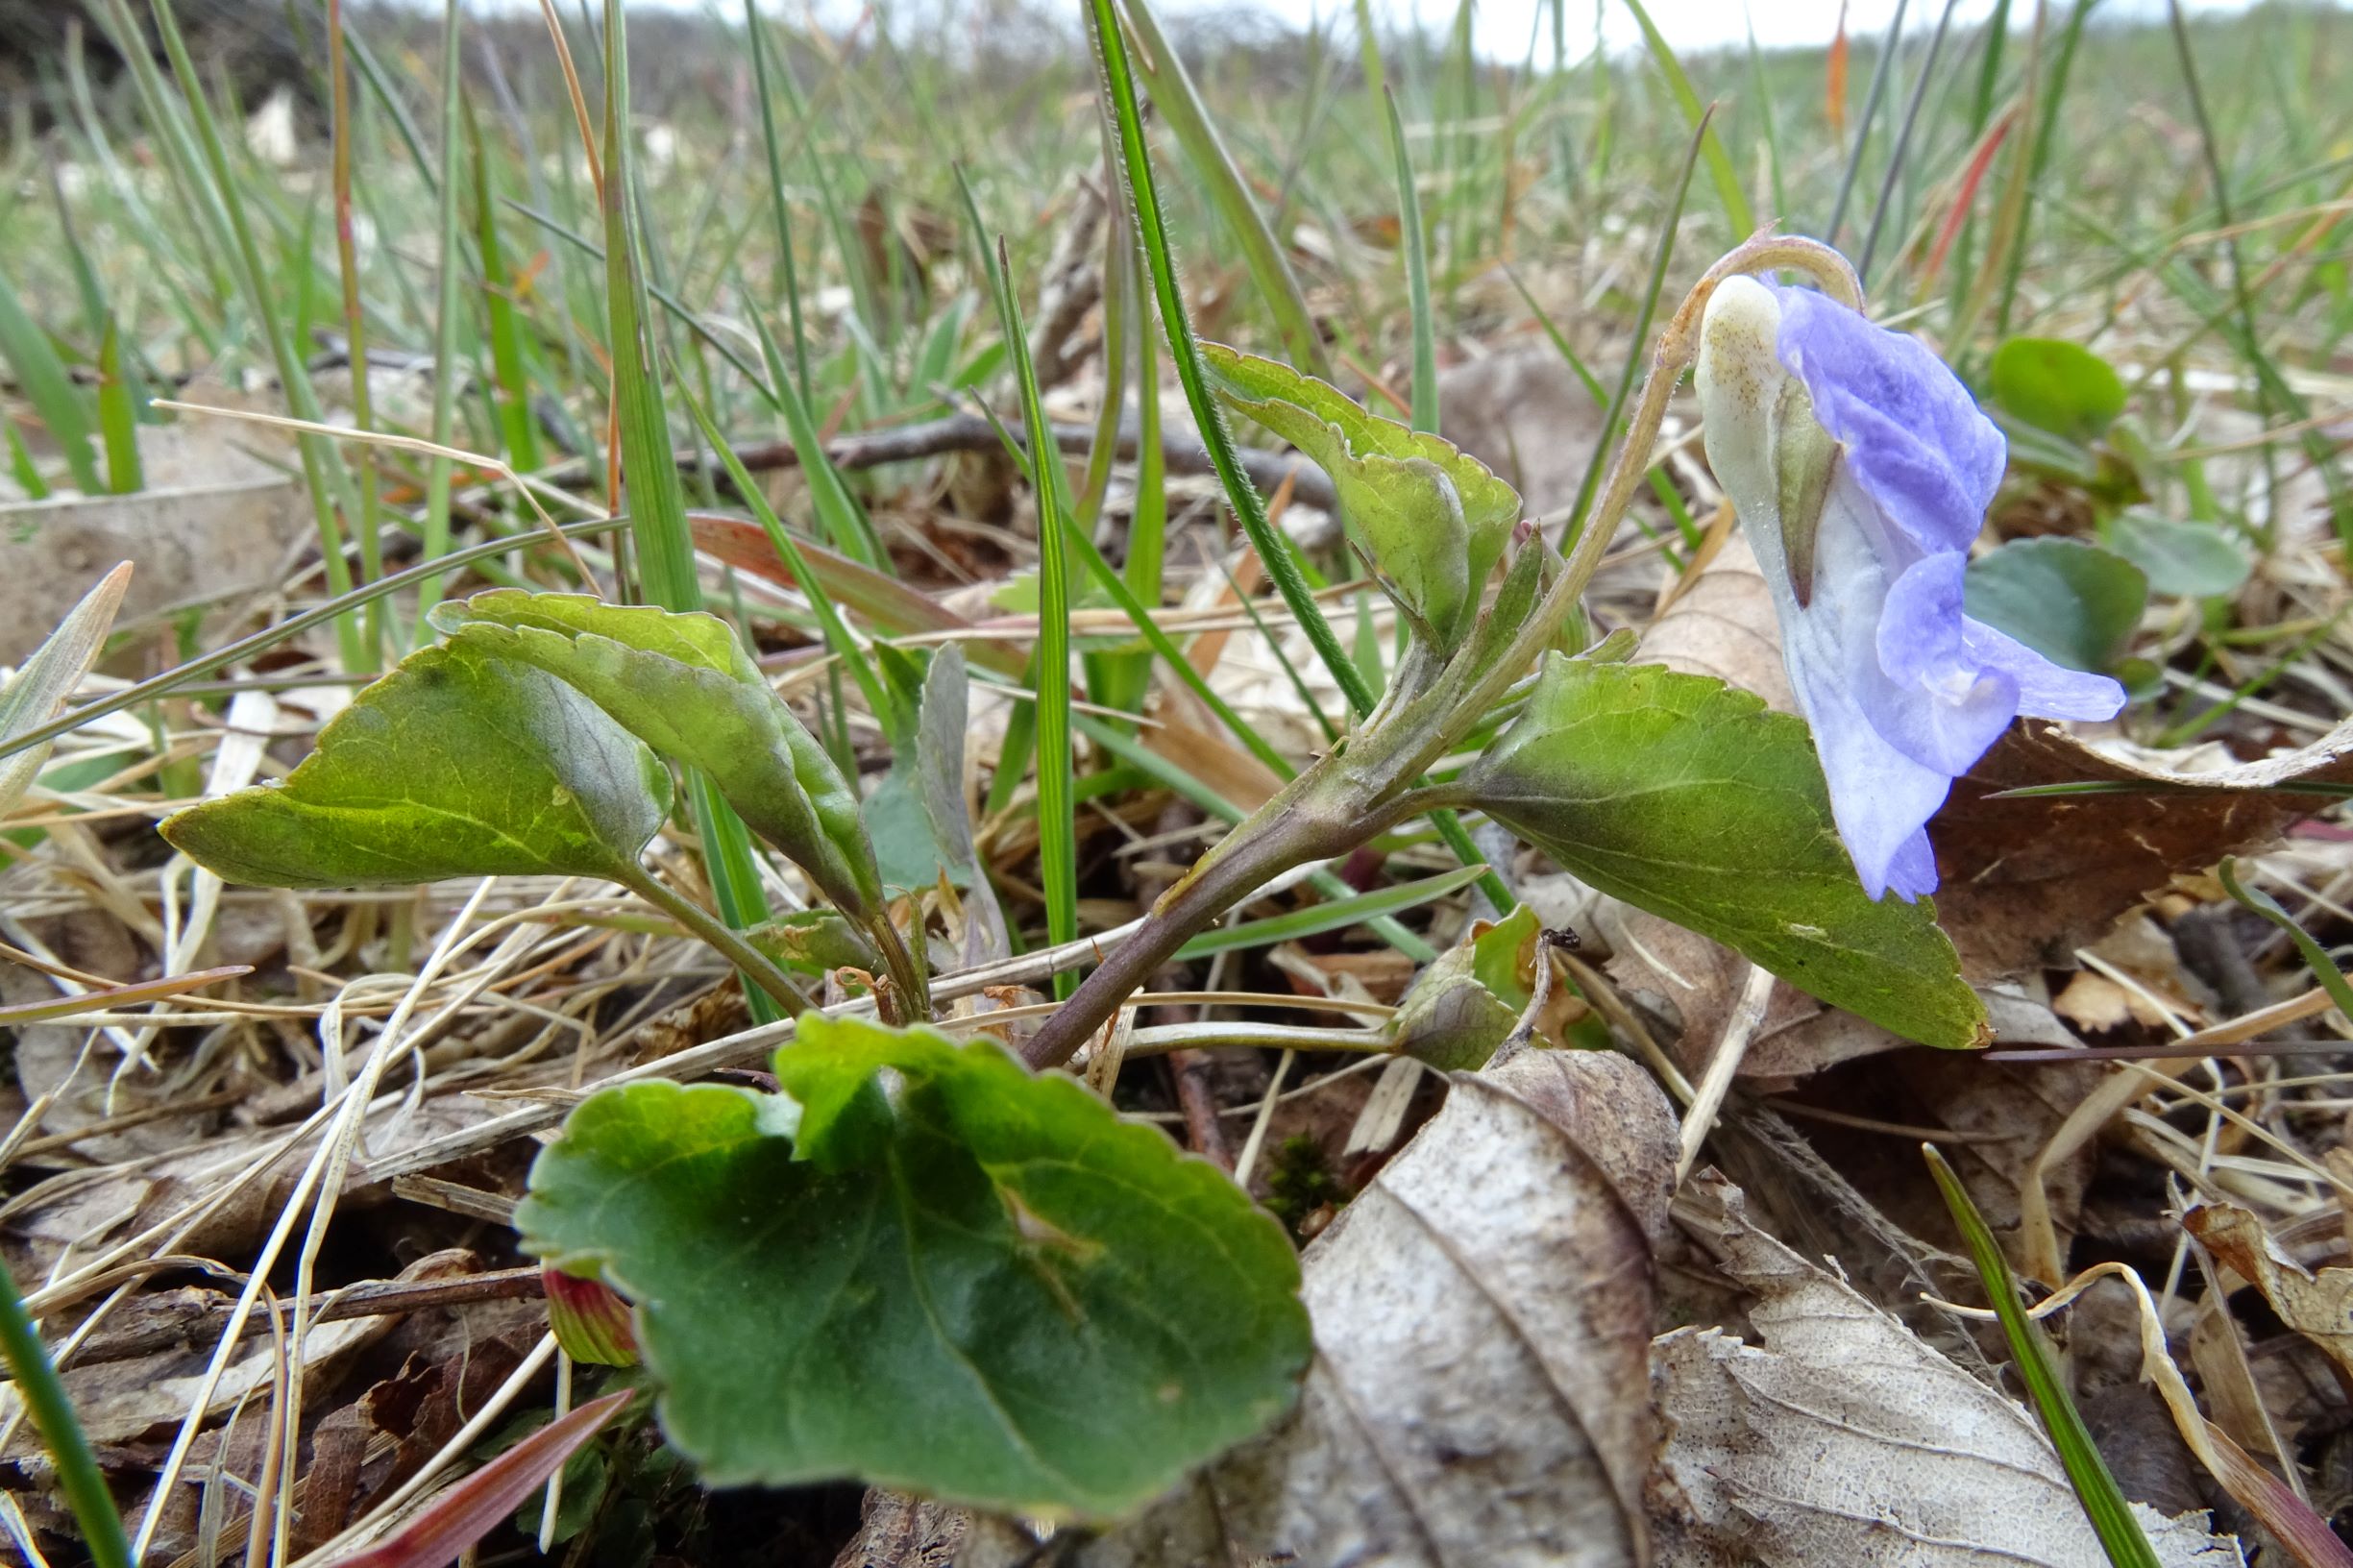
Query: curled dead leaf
[(2318, 1305), (2028, 880), (1721, 623)]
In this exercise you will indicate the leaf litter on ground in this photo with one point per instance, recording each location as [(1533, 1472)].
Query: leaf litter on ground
[(1458, 1337)]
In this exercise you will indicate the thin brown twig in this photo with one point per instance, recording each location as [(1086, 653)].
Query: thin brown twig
[(970, 432)]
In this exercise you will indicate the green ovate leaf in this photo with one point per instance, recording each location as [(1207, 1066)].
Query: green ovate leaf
[(2196, 560), (909, 858), (942, 717), (1432, 520), (683, 683), (2074, 603), (1470, 998), (453, 765), (2057, 387), (1688, 798), (974, 1283), (896, 820)]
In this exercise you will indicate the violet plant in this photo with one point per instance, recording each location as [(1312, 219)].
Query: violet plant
[(925, 1264)]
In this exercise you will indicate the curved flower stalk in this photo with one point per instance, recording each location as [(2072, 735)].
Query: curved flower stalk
[(1861, 470)]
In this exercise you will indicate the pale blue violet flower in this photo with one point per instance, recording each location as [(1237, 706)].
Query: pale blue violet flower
[(1861, 470)]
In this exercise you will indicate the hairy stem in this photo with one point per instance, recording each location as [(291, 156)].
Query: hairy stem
[(753, 963), (1290, 831), (1278, 837), (909, 1001)]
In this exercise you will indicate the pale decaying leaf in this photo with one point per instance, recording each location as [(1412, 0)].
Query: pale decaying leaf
[(219, 516), (2318, 1305), (31, 696), (1721, 623), (1482, 1315), (1842, 1437), (119, 1401)]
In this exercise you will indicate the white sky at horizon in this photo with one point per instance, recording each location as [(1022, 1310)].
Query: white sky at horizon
[(1503, 27)]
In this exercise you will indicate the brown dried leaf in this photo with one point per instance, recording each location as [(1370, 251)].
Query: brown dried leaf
[(2001, 1116), (1842, 1439), (2028, 881), (1482, 1317), (1722, 624), (2318, 1305)]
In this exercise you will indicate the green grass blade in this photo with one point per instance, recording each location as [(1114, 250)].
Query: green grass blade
[(1147, 526), (1411, 241), (92, 294), (118, 418), (1337, 916), (854, 266), (517, 427), (200, 321), (1773, 138), (1583, 373), (367, 476), (1368, 53), (1274, 550), (1898, 156), (1119, 328), (664, 544), (447, 274), (1737, 210), (779, 211), (1127, 343), (2275, 397), (838, 512), (836, 631), (1881, 69), (678, 309), (2096, 1488), (2044, 96), (42, 376), (2315, 957), (1307, 701), (1057, 823), (43, 1393), (1608, 441), (1995, 36), (1179, 101), (323, 469), (21, 467)]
